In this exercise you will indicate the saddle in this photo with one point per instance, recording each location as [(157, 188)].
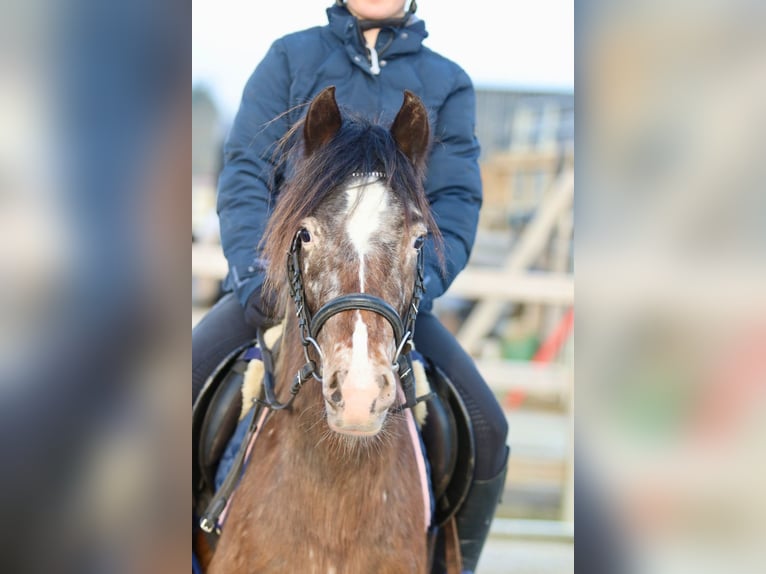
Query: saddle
[(447, 433)]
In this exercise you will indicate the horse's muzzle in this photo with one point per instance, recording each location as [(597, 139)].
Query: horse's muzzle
[(357, 403)]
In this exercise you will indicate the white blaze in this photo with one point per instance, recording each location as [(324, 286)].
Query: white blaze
[(360, 373), (367, 203)]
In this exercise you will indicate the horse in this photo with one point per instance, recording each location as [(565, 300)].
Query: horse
[(333, 485)]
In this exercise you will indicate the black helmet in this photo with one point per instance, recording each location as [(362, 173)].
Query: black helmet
[(393, 22)]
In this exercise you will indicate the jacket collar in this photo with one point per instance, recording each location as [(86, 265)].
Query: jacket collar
[(344, 26)]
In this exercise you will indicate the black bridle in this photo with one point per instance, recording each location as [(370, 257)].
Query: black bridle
[(310, 325)]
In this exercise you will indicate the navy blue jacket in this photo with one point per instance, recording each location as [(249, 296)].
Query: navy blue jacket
[(300, 65)]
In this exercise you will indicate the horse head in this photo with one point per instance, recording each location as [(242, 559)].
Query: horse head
[(360, 220)]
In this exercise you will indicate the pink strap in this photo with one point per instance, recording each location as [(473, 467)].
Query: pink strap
[(225, 511), (415, 436)]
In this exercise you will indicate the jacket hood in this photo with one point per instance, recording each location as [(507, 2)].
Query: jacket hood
[(344, 25)]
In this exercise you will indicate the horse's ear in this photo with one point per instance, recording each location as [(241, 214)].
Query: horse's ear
[(322, 120), (410, 128)]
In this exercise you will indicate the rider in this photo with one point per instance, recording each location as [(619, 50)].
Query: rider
[(371, 51)]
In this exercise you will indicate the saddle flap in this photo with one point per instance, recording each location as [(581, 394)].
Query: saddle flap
[(214, 417), (448, 436), (440, 437), (221, 419)]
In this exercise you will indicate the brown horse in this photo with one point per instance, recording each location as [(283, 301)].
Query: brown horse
[(332, 485)]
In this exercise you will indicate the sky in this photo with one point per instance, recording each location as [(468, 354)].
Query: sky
[(510, 43)]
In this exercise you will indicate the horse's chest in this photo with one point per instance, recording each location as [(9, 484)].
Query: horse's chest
[(289, 517)]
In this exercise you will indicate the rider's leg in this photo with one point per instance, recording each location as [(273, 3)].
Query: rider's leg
[(490, 426), (218, 333)]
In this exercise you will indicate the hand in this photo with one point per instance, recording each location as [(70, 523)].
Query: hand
[(261, 311)]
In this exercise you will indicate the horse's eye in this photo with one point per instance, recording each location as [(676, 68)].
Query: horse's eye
[(419, 242), (305, 235)]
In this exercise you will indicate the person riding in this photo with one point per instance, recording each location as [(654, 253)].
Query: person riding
[(371, 51)]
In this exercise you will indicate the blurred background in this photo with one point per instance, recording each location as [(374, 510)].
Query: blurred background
[(671, 285), (95, 152), (512, 308)]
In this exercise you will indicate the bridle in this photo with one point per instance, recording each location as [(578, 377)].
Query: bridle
[(310, 326)]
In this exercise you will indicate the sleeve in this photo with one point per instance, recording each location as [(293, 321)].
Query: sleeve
[(244, 194), (453, 187)]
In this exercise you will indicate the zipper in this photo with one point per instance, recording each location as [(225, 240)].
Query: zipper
[(374, 63)]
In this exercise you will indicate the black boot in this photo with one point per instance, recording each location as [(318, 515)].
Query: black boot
[(475, 516)]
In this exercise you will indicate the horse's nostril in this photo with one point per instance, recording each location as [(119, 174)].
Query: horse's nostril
[(333, 392), (335, 380), (384, 382)]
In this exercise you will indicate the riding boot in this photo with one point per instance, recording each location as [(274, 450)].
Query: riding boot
[(475, 516)]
